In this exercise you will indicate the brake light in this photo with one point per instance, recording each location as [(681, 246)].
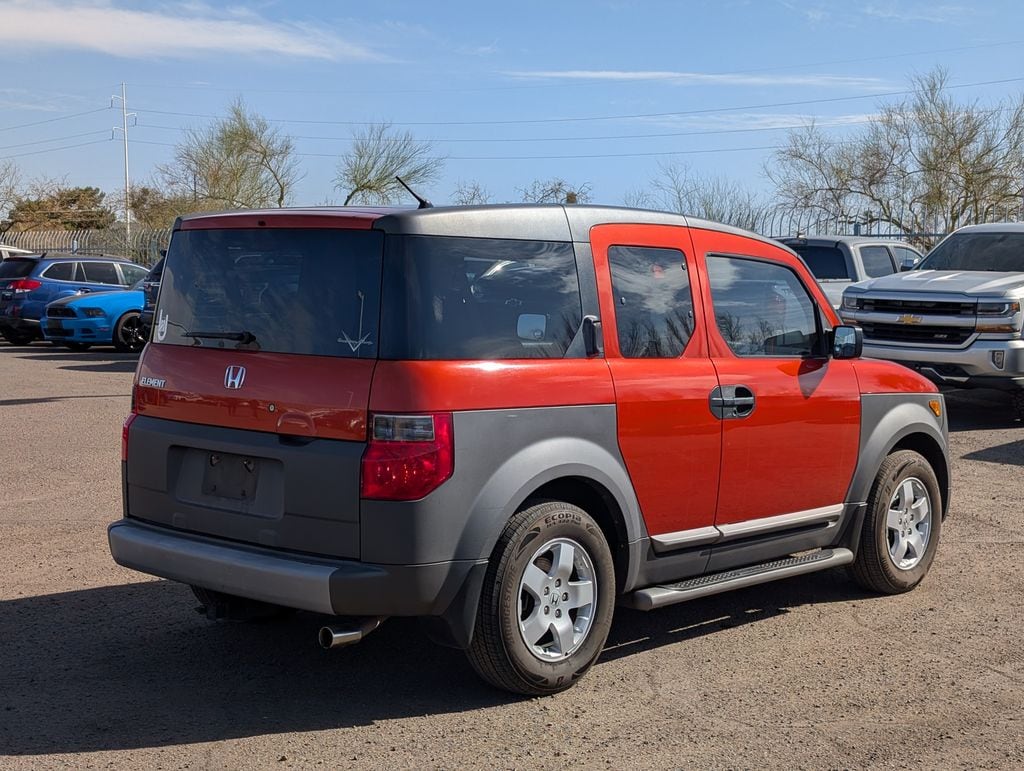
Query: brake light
[(23, 285), (408, 456), (124, 434)]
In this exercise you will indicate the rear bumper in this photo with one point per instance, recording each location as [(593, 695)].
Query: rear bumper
[(19, 324), (337, 587)]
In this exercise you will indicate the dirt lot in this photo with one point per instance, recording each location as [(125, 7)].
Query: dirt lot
[(102, 667)]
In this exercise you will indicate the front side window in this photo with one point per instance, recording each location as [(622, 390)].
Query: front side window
[(132, 273), (877, 261), (449, 298), (653, 301), (101, 273), (762, 308)]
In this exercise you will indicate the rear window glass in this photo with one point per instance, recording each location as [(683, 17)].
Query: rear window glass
[(15, 268), (824, 261), (284, 290), (1003, 252), (480, 298), (61, 271)]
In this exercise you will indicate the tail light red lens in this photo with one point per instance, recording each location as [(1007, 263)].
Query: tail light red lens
[(23, 285), (408, 456), (124, 434)]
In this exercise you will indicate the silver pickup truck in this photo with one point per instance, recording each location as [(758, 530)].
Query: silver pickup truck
[(957, 317)]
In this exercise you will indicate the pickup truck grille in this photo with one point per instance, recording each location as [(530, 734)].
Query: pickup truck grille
[(918, 307), (905, 333)]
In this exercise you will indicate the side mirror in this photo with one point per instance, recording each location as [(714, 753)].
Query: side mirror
[(909, 263), (847, 342)]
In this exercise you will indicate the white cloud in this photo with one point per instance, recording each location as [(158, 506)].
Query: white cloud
[(758, 121), (934, 14), (185, 30), (703, 78)]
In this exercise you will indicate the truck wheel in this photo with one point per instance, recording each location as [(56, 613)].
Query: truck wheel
[(547, 601), (218, 605), (901, 527)]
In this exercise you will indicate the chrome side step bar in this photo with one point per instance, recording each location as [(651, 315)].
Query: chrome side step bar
[(658, 596)]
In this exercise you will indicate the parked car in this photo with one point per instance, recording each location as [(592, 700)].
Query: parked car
[(838, 261), (97, 318), (11, 251), (150, 289), (509, 419), (957, 317), (29, 283)]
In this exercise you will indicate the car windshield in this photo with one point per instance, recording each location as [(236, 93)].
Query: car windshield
[(824, 261), (1002, 252), (16, 268)]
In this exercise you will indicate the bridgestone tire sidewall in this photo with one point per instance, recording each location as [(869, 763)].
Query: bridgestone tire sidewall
[(566, 522), (913, 466)]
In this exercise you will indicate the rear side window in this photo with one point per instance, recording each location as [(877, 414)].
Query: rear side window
[(824, 261), (280, 290), (101, 273), (653, 303), (877, 261), (15, 268), (61, 271), (761, 308), (479, 298)]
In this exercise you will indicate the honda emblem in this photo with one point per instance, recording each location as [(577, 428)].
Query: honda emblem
[(234, 376)]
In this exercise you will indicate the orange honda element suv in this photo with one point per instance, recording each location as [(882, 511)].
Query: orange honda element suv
[(506, 420)]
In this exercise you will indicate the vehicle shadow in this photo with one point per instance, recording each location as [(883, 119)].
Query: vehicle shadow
[(119, 366), (1011, 453), (49, 399), (979, 409), (84, 356), (127, 667)]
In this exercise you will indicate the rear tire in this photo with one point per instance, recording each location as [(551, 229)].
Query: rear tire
[(547, 601), (128, 333), (218, 606), (18, 338), (77, 347), (901, 527)]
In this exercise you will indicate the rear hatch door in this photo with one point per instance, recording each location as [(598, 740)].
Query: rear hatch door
[(12, 269), (252, 396)]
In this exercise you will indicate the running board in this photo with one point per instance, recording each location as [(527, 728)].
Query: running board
[(658, 596)]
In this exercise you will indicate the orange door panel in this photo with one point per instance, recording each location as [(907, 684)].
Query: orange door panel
[(792, 446), (668, 438)]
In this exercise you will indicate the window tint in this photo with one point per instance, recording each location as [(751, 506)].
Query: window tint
[(313, 292), (1003, 252), (479, 298), (61, 271), (101, 273), (824, 261), (653, 303), (877, 261), (15, 268), (762, 309), (906, 254), (132, 273)]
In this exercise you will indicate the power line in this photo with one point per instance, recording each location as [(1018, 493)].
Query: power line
[(54, 120), (524, 121), (54, 139), (468, 89), (54, 149)]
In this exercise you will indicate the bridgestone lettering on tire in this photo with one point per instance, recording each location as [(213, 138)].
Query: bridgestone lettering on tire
[(901, 526), (547, 601)]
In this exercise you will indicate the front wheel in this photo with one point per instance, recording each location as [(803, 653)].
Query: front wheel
[(901, 527), (128, 333), (547, 601)]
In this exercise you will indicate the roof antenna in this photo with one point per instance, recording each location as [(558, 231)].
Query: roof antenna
[(424, 203)]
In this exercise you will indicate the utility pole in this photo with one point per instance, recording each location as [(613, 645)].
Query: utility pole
[(127, 185)]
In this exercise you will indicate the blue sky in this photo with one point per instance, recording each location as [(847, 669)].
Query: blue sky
[(598, 92)]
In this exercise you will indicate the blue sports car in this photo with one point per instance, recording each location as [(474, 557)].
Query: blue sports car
[(97, 318)]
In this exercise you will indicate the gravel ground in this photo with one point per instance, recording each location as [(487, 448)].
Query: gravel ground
[(103, 667)]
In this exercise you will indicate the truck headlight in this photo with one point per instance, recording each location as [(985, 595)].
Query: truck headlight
[(849, 302), (999, 316), (999, 308)]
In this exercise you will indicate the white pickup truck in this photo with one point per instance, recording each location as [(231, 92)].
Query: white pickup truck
[(957, 317)]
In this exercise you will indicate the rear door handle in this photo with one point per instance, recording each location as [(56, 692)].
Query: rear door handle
[(732, 402)]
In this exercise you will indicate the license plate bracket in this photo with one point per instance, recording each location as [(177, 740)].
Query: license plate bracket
[(231, 476)]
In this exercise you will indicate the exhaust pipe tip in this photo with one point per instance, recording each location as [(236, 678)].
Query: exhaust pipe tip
[(337, 635)]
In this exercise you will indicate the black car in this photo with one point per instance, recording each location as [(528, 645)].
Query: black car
[(150, 289)]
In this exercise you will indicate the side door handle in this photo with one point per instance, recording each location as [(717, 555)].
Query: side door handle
[(732, 402)]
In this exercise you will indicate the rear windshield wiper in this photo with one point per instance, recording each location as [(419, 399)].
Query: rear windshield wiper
[(244, 337)]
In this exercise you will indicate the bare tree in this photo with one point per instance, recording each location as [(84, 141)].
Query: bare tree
[(470, 193), (10, 187), (678, 188), (366, 174), (237, 162), (554, 190), (924, 165)]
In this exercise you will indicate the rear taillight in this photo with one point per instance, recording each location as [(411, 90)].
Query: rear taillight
[(124, 434), (23, 285), (408, 456)]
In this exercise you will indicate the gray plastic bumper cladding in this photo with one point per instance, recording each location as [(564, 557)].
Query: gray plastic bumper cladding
[(337, 587)]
